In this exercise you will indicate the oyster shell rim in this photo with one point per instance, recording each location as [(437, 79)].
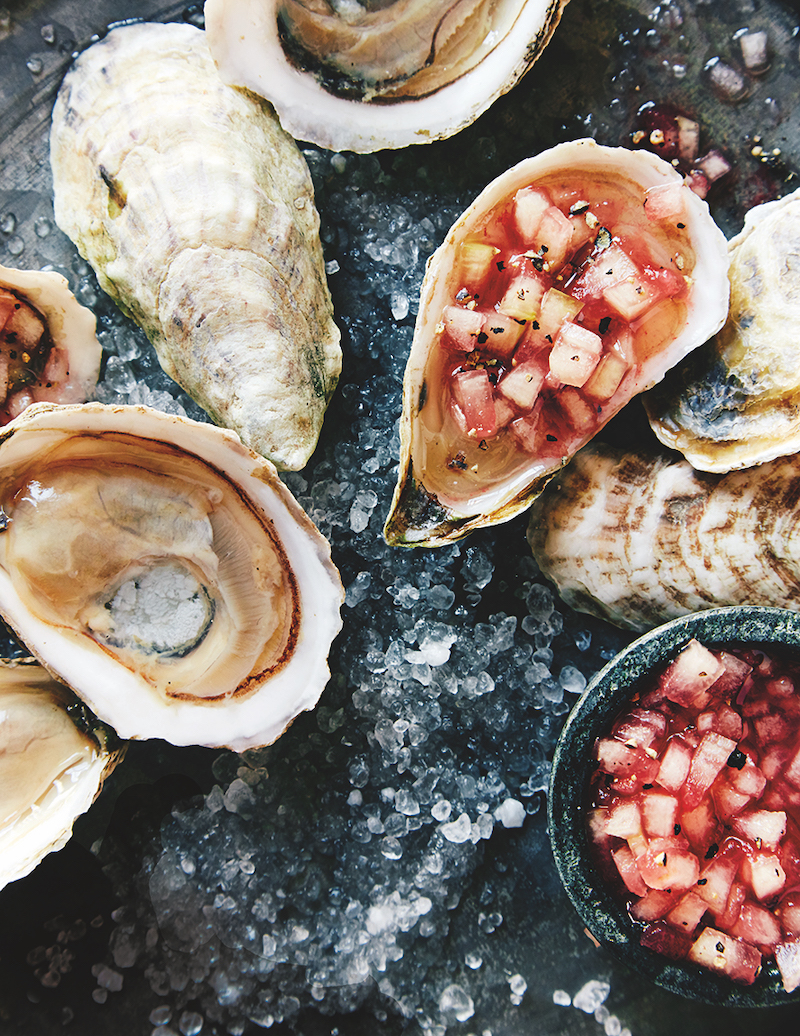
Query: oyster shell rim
[(363, 126), (235, 723), (712, 267)]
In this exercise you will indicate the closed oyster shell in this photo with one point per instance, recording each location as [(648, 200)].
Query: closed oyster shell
[(163, 571), (51, 770), (736, 401), (197, 213), (623, 256), (353, 77), (49, 347), (641, 538)]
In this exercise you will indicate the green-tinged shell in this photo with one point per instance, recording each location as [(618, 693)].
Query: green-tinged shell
[(196, 211), (641, 538), (453, 480), (51, 768), (735, 402)]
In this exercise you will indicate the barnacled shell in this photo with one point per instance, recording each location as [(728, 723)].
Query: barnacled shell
[(49, 347), (163, 571), (354, 76), (736, 401), (51, 770), (197, 213), (640, 538), (596, 259)]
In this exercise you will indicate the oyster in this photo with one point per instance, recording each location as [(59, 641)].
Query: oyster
[(356, 76), (51, 770), (736, 401), (197, 213), (640, 538), (48, 348), (574, 281), (163, 571)]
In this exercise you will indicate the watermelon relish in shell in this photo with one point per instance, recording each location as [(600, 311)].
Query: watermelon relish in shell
[(573, 282)]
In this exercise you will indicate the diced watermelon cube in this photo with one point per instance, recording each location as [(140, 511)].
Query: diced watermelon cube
[(675, 762), (792, 772), (473, 393), (748, 779), (625, 863), (659, 813), (715, 881), (789, 913), (615, 757), (530, 204), (554, 237), (463, 326), (736, 671), (687, 679), (474, 262), (667, 940), (502, 334), (723, 719), (642, 727), (763, 827), (764, 873), (575, 353), (738, 894), (667, 865), (709, 758), (654, 904), (665, 202), (725, 954), (580, 413), (522, 384), (701, 826), (624, 819), (787, 957), (688, 912), (523, 296), (757, 926)]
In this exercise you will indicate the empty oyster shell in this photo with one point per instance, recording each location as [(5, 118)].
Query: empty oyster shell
[(163, 571), (48, 348), (197, 213), (574, 281), (51, 770), (736, 401), (640, 538), (382, 74)]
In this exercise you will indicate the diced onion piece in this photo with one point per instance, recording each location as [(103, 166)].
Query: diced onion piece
[(611, 267), (580, 412), (474, 260), (523, 296), (530, 205), (688, 138), (557, 308), (474, 396), (665, 201), (26, 327), (463, 326), (632, 297), (575, 354)]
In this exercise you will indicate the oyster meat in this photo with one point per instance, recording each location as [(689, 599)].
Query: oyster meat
[(354, 76), (736, 401), (573, 282), (163, 571), (48, 348), (51, 770), (641, 538), (197, 213)]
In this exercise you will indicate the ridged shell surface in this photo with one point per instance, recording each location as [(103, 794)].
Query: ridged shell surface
[(736, 401), (197, 213), (353, 77), (641, 538)]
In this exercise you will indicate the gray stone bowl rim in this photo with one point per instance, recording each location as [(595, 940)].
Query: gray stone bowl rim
[(601, 911)]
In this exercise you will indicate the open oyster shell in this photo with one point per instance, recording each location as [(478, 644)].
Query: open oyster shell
[(574, 281), (639, 538), (51, 770), (163, 571), (49, 351), (736, 401), (197, 213), (382, 74)]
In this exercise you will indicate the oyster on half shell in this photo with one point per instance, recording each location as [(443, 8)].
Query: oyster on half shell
[(575, 280), (197, 213), (51, 770), (354, 76), (163, 571), (49, 351), (735, 402)]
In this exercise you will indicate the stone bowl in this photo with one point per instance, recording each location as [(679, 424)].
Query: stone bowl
[(601, 909)]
